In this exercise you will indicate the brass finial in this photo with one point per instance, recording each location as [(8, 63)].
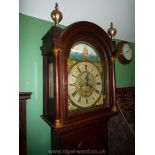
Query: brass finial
[(112, 31), (58, 123), (56, 15), (114, 108)]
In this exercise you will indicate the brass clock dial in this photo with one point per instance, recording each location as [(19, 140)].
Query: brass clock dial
[(84, 84)]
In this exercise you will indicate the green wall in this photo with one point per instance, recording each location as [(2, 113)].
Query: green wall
[(30, 75), (125, 74), (31, 30)]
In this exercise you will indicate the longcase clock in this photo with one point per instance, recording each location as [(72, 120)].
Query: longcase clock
[(79, 86)]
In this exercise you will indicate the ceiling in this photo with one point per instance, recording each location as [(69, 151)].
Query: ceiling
[(101, 12)]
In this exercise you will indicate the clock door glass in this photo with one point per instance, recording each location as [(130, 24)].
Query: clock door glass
[(51, 86), (51, 81), (85, 78)]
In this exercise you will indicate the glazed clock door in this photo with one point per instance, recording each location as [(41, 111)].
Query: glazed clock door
[(85, 78)]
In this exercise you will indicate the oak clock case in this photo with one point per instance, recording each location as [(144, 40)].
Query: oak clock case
[(78, 85)]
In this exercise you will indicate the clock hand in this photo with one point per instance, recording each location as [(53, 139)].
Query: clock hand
[(87, 79), (97, 91)]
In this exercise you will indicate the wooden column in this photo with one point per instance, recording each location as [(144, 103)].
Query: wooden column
[(58, 122), (107, 84), (46, 109), (23, 96), (114, 106)]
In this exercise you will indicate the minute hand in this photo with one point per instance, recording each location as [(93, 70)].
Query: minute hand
[(87, 79), (97, 91)]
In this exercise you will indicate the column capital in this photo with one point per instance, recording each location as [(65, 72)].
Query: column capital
[(56, 51), (113, 58)]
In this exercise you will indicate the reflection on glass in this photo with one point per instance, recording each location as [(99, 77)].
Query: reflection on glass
[(51, 81), (83, 51)]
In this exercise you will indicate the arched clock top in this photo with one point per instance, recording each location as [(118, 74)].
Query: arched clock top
[(58, 38), (87, 31)]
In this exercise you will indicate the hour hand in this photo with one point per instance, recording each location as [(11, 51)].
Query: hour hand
[(87, 77)]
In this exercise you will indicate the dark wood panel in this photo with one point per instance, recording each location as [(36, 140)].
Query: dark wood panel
[(126, 102), (92, 137), (23, 96), (120, 127)]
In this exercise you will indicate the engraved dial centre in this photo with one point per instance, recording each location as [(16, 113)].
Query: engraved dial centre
[(84, 84)]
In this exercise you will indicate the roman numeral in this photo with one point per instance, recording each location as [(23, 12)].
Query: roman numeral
[(74, 93), (73, 84), (79, 69), (79, 100), (97, 91), (74, 76), (96, 75), (93, 98), (86, 67), (86, 100)]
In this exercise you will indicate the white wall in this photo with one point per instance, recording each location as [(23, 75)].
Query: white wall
[(101, 12)]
